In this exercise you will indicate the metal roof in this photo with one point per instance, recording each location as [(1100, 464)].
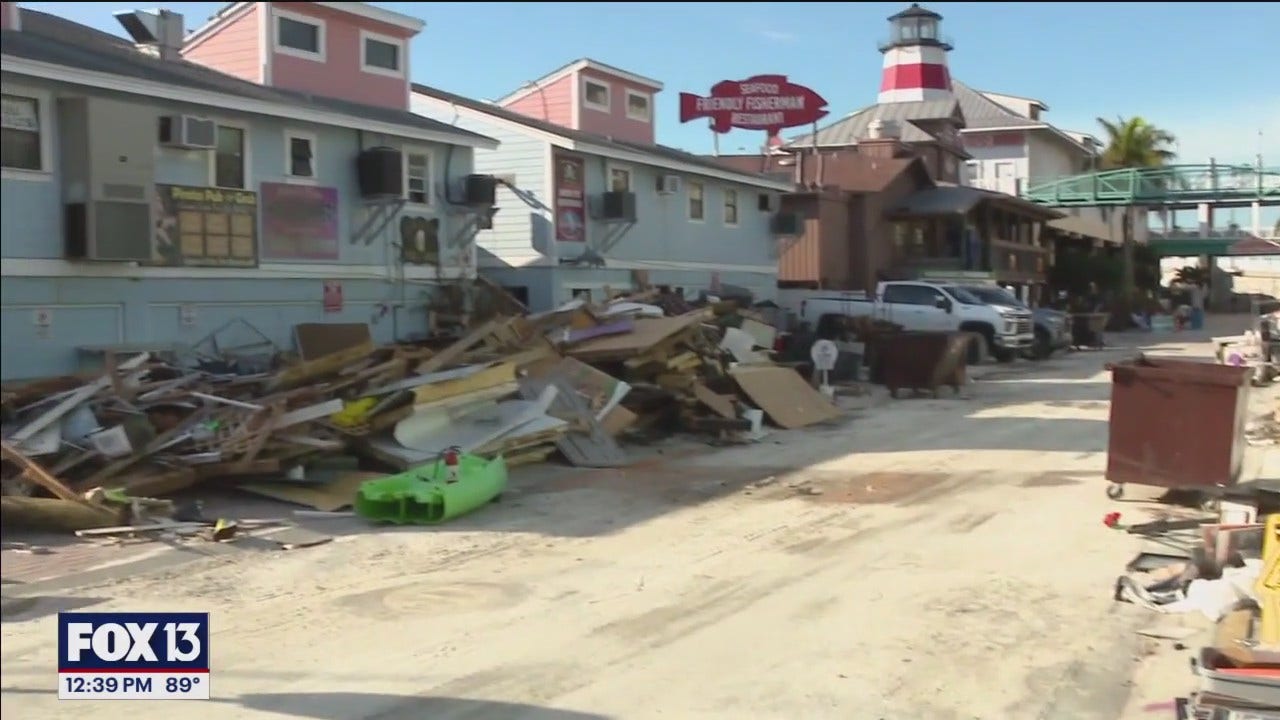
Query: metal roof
[(51, 39), (853, 127), (982, 112), (958, 200)]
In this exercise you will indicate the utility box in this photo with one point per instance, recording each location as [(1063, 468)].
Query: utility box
[(107, 150)]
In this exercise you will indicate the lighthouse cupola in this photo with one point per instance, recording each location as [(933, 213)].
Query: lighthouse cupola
[(915, 58)]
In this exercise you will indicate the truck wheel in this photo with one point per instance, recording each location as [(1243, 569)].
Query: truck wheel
[(1004, 355), (979, 348), (1042, 349)]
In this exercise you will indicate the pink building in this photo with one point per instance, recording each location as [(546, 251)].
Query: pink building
[(593, 97), (347, 50)]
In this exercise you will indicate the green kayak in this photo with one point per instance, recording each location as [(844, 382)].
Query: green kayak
[(423, 495)]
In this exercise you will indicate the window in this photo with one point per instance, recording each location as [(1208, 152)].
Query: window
[(299, 36), (619, 179), (228, 158), (730, 207), (912, 295), (300, 161), (417, 177), (595, 95), (697, 210), (973, 172), (638, 106), (381, 55), (22, 139), (764, 202)]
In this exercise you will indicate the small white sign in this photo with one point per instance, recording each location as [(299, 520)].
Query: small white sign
[(188, 315), (824, 354)]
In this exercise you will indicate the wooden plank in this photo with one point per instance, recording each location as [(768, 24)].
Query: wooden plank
[(455, 351), (37, 474)]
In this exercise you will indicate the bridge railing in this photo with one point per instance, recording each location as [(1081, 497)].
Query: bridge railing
[(1158, 185)]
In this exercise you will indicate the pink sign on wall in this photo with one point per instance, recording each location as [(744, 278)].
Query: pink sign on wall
[(299, 222)]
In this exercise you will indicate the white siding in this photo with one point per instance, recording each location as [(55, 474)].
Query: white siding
[(521, 231)]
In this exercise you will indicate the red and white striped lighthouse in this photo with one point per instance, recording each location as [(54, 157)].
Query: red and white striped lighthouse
[(915, 58)]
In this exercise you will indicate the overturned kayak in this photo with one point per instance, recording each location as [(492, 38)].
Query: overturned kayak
[(425, 495)]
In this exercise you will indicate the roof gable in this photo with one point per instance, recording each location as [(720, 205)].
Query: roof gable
[(54, 41), (576, 66)]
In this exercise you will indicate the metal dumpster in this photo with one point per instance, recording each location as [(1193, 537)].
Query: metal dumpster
[(1176, 424), (922, 360)]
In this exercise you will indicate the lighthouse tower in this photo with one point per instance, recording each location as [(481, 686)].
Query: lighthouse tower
[(915, 58)]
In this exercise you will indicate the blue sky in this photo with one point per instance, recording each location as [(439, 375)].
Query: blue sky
[(1193, 68)]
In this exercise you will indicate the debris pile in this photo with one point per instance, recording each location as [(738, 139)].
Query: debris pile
[(570, 382)]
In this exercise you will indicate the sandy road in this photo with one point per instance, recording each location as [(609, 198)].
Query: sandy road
[(928, 559)]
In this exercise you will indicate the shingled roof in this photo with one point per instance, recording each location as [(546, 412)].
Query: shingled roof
[(51, 39)]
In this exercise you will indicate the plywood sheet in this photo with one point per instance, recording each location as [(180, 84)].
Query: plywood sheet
[(784, 396), (648, 332)]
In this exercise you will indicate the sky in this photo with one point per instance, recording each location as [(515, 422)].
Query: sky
[(1194, 68)]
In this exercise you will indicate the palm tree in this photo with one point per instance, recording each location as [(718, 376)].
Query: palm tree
[(1133, 143)]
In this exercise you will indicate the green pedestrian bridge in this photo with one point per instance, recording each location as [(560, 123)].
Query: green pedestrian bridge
[(1172, 187)]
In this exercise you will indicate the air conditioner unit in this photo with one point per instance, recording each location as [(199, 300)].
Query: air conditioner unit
[(786, 224), (188, 131), (480, 190), (618, 205), (668, 184)]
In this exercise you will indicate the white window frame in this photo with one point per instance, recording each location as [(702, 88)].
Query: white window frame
[(737, 207), (247, 156), (688, 201), (648, 106), (289, 136), (426, 152), (44, 114), (608, 97), (365, 37), (322, 35), (608, 178)]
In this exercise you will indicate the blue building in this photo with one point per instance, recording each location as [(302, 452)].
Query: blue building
[(589, 200), (148, 200)]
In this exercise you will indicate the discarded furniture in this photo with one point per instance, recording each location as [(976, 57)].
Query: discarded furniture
[(427, 496)]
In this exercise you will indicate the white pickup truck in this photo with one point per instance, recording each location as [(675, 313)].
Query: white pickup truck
[(918, 305)]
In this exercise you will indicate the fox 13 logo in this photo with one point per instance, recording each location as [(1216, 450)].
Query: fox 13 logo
[(133, 656)]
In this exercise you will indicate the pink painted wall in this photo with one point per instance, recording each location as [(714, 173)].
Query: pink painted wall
[(340, 75), (7, 12), (233, 48), (553, 103), (615, 122)]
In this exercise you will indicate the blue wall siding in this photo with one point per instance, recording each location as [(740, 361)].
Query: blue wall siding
[(90, 309), (663, 231), (521, 233)]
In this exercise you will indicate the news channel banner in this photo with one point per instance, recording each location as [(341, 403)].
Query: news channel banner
[(133, 656)]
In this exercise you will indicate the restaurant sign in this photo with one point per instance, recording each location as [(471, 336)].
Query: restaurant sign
[(211, 227), (763, 102)]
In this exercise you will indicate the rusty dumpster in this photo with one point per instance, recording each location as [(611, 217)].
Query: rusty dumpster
[(922, 360), (1176, 424)]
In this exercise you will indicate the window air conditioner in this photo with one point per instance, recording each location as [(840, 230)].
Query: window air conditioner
[(188, 131)]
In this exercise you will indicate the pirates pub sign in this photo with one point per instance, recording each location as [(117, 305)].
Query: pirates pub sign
[(763, 102)]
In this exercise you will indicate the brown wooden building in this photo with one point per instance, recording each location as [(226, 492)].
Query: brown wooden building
[(879, 210)]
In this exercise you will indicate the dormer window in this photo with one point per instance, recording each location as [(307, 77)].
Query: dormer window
[(381, 55), (638, 106), (299, 35), (595, 95)]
